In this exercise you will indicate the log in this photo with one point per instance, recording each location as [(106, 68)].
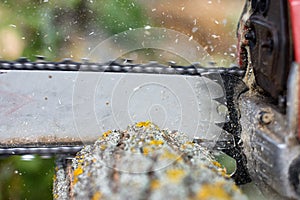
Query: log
[(144, 162)]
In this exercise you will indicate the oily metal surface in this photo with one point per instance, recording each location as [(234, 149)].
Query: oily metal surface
[(144, 162), (272, 152)]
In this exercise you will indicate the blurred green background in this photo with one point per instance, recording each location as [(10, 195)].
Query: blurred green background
[(26, 177), (60, 29), (72, 28)]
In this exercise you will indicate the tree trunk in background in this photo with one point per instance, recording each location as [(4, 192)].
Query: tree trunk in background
[(144, 162)]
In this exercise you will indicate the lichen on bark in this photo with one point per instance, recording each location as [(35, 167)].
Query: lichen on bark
[(145, 162)]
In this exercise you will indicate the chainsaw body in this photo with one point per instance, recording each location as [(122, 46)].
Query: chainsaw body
[(268, 35)]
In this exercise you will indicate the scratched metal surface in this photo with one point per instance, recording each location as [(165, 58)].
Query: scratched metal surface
[(68, 107)]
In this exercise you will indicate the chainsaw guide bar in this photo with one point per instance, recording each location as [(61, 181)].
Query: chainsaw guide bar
[(49, 107), (37, 97)]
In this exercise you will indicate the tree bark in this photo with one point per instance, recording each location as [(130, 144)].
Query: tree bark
[(144, 162)]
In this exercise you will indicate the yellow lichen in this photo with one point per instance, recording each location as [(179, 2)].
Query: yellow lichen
[(221, 170), (54, 178), (146, 151), (190, 143), (213, 191), (156, 142), (102, 147), (75, 180), (80, 161), (217, 164), (76, 173), (155, 184), (168, 155), (235, 188), (80, 158), (175, 175), (143, 124), (55, 196), (186, 145), (97, 195), (107, 133), (132, 149), (224, 173)]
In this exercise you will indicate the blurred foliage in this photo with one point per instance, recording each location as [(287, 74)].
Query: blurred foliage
[(26, 179), (119, 16), (46, 26), (58, 29)]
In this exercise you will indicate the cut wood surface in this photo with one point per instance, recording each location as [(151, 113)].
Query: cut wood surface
[(144, 162)]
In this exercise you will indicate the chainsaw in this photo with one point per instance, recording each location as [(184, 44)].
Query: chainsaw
[(250, 112)]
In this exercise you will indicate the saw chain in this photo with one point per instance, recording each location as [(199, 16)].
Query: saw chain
[(119, 66)]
